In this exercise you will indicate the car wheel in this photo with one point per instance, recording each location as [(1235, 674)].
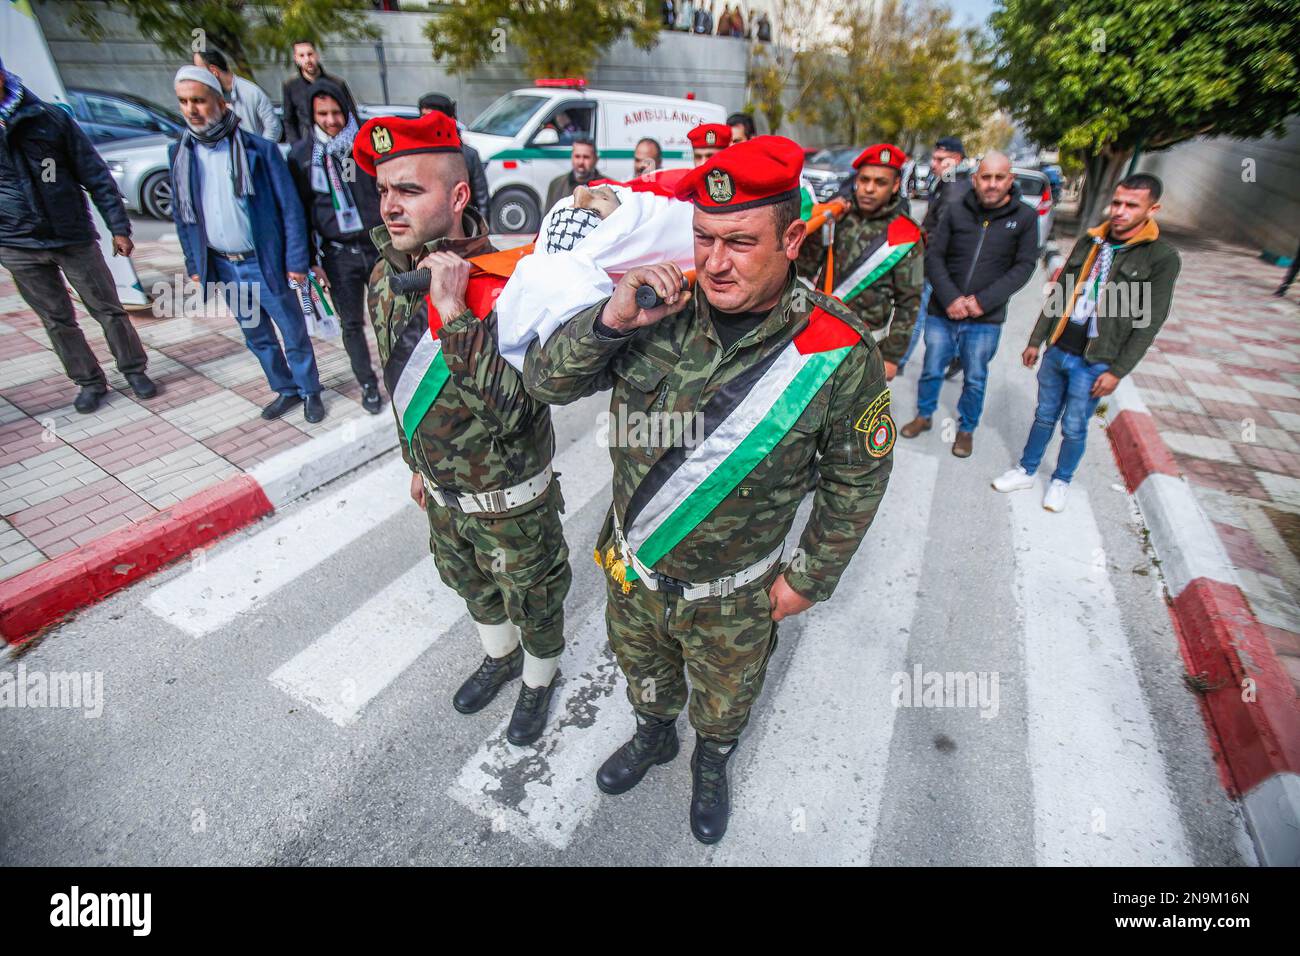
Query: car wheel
[(515, 210), (156, 195)]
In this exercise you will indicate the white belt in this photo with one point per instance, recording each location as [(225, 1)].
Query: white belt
[(494, 502), (694, 592), (880, 334)]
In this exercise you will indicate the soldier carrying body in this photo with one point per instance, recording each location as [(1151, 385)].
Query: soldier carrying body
[(479, 447), (790, 391), (877, 254)]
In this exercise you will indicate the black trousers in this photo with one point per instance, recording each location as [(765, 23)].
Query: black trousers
[(39, 274), (348, 266)]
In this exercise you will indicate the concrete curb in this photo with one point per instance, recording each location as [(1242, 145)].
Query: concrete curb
[(1246, 696), (45, 594)]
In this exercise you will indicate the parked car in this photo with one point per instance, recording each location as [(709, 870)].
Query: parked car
[(918, 184), (108, 116), (139, 165), (829, 169), (1036, 191)]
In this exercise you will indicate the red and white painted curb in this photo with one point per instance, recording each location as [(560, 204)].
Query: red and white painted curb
[(1246, 695), (45, 594)]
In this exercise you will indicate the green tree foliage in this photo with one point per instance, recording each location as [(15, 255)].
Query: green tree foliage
[(243, 31), (893, 71), (555, 37), (1102, 78)]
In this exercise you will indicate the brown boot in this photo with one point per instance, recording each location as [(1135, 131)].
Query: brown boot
[(915, 427), (962, 444)]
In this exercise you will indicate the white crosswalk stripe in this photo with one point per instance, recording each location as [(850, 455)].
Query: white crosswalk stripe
[(212, 593), (1100, 791), (810, 793), (341, 672), (338, 674), (544, 792)]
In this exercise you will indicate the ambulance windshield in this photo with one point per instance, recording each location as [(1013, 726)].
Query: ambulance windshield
[(507, 116)]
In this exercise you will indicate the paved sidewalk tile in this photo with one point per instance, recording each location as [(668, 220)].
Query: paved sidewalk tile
[(68, 478), (1223, 384)]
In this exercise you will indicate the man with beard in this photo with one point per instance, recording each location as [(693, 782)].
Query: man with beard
[(478, 446), (980, 254), (342, 206), (294, 95), (584, 171), (876, 256), (241, 224)]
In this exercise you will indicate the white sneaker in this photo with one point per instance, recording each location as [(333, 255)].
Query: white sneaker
[(1017, 479), (1057, 492)]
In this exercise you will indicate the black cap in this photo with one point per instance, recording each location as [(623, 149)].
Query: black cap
[(951, 143), (440, 102)]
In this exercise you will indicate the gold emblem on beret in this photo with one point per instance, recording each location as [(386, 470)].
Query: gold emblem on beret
[(381, 139), (719, 185), (710, 137)]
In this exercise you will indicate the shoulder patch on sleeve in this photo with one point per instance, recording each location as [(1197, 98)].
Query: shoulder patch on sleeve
[(878, 426)]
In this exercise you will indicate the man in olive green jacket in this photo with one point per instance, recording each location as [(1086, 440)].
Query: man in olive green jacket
[(1099, 319)]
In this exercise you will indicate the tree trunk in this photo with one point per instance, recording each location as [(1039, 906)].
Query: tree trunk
[(1101, 172)]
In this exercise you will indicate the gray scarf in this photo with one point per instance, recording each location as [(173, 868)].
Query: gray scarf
[(240, 176)]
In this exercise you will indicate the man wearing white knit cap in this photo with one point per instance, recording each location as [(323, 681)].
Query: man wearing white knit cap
[(241, 224)]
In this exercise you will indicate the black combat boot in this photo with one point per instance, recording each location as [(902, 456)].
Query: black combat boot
[(477, 692), (654, 742), (710, 799), (529, 719)]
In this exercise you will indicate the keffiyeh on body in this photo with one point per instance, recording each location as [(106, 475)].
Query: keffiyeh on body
[(329, 156), (548, 289)]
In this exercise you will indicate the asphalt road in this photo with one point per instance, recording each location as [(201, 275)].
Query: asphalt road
[(285, 697)]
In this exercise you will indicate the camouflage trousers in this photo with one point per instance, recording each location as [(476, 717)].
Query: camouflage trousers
[(514, 568), (724, 644)]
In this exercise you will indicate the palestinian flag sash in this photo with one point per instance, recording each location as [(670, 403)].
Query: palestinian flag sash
[(743, 422), (882, 254), (416, 370)]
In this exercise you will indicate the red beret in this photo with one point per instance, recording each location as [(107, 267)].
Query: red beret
[(759, 171), (882, 154), (710, 136), (387, 137)]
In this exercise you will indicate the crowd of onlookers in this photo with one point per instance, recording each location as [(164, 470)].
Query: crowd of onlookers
[(246, 218), (690, 17)]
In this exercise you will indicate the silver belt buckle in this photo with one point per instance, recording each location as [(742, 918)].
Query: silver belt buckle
[(722, 587), (491, 501)]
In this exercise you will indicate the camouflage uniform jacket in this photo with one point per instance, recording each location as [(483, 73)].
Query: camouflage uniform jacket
[(677, 365), (484, 432), (896, 293)]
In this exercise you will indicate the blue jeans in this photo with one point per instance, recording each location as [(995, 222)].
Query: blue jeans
[(291, 371), (1064, 392), (975, 342), (919, 329)]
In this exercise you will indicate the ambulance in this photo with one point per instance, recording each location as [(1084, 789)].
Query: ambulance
[(526, 136)]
